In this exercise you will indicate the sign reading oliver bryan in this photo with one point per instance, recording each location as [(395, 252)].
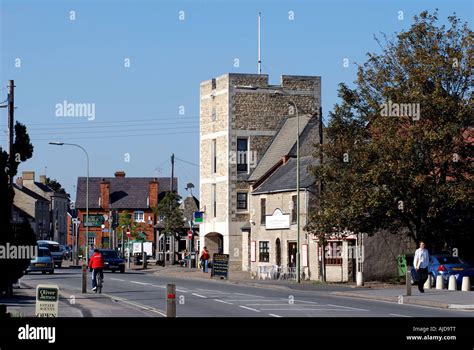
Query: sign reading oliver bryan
[(47, 299)]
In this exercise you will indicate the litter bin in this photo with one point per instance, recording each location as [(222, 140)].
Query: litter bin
[(402, 265)]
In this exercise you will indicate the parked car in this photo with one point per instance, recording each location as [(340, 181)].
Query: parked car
[(112, 261), (55, 250), (446, 265), (43, 262)]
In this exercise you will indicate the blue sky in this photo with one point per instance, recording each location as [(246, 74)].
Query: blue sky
[(137, 121)]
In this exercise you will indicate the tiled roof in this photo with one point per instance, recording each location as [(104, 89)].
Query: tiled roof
[(125, 192), (30, 193), (284, 178)]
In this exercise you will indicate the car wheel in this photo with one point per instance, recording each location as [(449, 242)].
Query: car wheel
[(122, 270), (51, 272), (43, 272), (113, 271)]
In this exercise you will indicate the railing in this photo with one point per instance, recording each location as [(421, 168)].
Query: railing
[(276, 273)]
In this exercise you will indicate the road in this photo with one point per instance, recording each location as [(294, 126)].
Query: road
[(204, 298)]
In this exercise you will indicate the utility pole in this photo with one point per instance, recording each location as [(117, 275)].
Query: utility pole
[(172, 174), (259, 65), (11, 128)]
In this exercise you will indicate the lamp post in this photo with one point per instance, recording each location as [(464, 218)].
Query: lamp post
[(86, 224)]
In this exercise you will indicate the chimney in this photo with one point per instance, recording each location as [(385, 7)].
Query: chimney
[(19, 181), (43, 179), (104, 194), (28, 176), (153, 190), (120, 173)]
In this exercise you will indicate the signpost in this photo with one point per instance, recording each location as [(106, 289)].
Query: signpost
[(220, 265), (47, 299), (198, 217)]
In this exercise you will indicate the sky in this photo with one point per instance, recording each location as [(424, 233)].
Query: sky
[(138, 65)]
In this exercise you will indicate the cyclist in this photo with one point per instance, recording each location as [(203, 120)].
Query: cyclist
[(96, 264)]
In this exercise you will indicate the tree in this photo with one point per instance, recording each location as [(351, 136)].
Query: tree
[(400, 143), (20, 234), (55, 186), (170, 215)]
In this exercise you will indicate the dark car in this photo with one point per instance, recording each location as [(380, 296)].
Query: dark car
[(112, 261), (446, 265)]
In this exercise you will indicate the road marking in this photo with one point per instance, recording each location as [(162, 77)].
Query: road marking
[(280, 309), (249, 295), (398, 315), (271, 304), (249, 308), (141, 306), (200, 296), (117, 279), (247, 300), (154, 285), (142, 283), (275, 315), (223, 301), (309, 302), (182, 291), (347, 307)]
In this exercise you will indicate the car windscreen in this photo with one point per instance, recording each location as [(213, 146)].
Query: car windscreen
[(448, 260), (109, 254), (43, 252)]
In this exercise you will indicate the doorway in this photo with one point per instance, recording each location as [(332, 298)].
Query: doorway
[(291, 254), (278, 252)]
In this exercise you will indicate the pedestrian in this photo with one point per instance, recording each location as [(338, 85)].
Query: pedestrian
[(204, 259), (421, 261)]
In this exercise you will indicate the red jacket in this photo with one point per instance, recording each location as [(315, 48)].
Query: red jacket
[(96, 261)]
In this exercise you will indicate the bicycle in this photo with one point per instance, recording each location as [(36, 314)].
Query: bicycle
[(100, 281)]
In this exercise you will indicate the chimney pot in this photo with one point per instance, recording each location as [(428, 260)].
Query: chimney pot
[(120, 173)]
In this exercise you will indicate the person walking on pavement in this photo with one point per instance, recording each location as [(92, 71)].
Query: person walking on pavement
[(421, 261), (204, 259), (96, 263)]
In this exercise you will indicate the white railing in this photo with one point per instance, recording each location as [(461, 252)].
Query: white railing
[(275, 272)]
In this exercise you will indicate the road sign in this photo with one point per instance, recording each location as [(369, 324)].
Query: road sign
[(47, 298), (190, 234), (128, 233), (198, 218)]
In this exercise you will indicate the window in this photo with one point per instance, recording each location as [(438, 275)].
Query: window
[(263, 251), (241, 200), (91, 241), (263, 210), (294, 209), (139, 216), (214, 200), (242, 148), (333, 254), (214, 156), (214, 114)]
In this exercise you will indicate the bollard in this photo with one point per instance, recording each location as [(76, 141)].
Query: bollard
[(408, 282), (170, 300), (466, 284), (359, 279), (84, 278), (452, 283), (439, 282), (427, 284), (145, 260)]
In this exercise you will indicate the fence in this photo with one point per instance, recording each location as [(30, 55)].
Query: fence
[(276, 272)]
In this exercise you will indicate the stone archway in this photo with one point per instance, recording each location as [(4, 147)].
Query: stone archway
[(214, 242)]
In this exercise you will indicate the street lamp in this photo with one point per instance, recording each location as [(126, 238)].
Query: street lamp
[(86, 224)]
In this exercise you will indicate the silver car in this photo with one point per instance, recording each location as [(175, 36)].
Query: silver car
[(43, 262)]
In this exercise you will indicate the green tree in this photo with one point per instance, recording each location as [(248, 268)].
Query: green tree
[(404, 171), (19, 234), (170, 215), (55, 186), (126, 222)]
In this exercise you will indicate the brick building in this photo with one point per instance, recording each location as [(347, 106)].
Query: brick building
[(136, 195), (240, 114)]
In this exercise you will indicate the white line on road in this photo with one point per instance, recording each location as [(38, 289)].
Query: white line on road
[(182, 291), (154, 285), (347, 307), (249, 308), (144, 307), (117, 279), (200, 296), (308, 309), (275, 315), (142, 283), (309, 302), (398, 315), (247, 300), (249, 295), (223, 301)]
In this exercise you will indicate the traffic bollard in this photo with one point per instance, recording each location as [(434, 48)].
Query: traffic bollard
[(84, 278), (466, 284), (408, 282), (427, 284), (439, 282), (170, 300), (452, 283)]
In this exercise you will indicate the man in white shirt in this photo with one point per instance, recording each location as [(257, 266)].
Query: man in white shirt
[(421, 262)]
